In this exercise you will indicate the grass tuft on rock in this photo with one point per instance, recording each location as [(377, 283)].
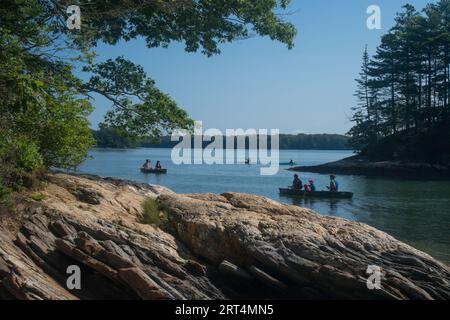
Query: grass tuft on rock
[(38, 197), (153, 214), (4, 193)]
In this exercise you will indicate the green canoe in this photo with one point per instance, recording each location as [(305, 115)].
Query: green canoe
[(154, 171), (315, 194)]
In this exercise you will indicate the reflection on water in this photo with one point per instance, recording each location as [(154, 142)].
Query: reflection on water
[(415, 212), (314, 202)]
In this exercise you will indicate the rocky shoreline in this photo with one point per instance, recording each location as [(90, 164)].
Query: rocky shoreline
[(357, 165), (230, 246)]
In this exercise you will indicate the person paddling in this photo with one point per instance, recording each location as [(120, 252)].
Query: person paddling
[(334, 186), (297, 184), (147, 165), (158, 165)]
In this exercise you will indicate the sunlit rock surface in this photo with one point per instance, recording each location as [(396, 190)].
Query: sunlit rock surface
[(229, 246)]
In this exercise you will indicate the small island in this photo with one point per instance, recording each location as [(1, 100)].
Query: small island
[(411, 154)]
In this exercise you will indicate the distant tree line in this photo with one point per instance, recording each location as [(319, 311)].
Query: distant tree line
[(404, 87), (107, 137)]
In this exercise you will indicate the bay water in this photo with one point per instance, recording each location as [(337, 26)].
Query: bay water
[(416, 212)]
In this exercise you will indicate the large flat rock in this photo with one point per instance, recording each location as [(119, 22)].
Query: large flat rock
[(228, 246)]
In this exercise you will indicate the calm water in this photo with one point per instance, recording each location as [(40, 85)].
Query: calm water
[(417, 213)]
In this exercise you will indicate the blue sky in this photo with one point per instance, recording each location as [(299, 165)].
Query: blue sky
[(259, 83)]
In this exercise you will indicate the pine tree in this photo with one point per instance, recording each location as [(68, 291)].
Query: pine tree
[(364, 116), (406, 85)]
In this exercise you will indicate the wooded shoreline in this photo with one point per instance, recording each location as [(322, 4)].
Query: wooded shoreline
[(110, 138)]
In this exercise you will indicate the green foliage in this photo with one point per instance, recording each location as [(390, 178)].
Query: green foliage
[(21, 151), (314, 142), (153, 214), (38, 197), (406, 85), (139, 108), (4, 194), (200, 25), (107, 137), (428, 145), (45, 106), (43, 121), (20, 158)]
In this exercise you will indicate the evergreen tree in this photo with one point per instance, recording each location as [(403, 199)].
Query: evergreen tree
[(405, 86)]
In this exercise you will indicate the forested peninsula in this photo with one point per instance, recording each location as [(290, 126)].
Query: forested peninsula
[(402, 116)]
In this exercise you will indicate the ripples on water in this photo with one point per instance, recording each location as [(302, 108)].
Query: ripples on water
[(412, 211)]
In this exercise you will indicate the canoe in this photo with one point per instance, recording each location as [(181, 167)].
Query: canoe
[(315, 194), (154, 171)]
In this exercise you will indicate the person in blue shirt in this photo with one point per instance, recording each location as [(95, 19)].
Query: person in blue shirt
[(312, 186)]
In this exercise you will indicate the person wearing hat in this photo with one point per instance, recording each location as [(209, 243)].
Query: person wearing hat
[(334, 186), (312, 186)]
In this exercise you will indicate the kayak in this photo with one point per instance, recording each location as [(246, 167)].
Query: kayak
[(315, 194), (154, 171), (288, 164)]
